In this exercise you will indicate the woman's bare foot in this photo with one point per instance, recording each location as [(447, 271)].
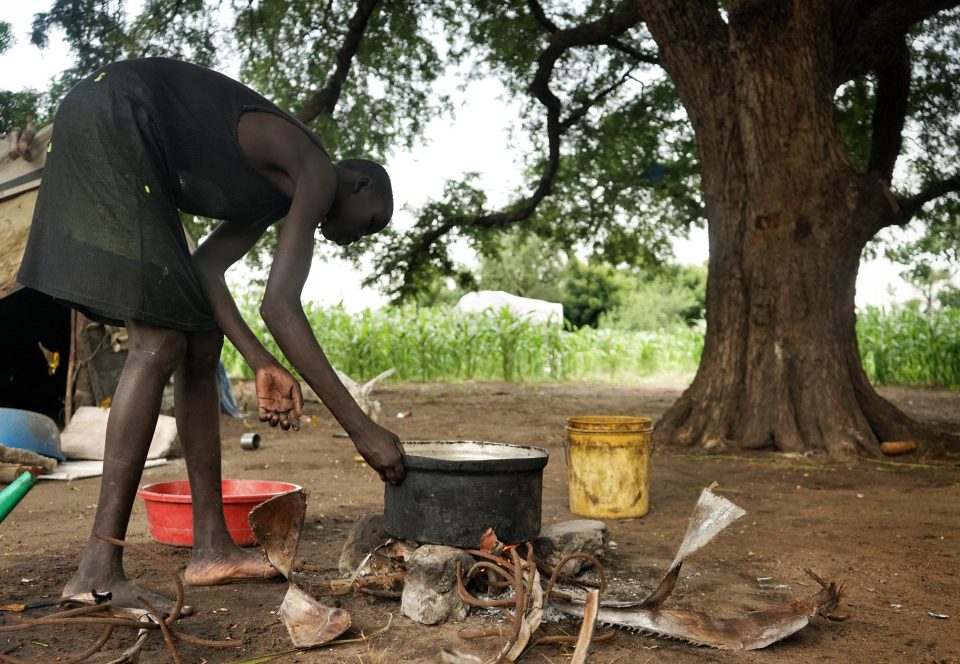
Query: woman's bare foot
[(226, 567), (123, 593)]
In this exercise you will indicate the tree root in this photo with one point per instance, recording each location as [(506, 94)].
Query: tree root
[(718, 424), (100, 614)]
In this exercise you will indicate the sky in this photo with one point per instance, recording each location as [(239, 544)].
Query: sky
[(474, 139)]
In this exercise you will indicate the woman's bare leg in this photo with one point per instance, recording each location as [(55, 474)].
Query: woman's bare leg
[(216, 559), (153, 355)]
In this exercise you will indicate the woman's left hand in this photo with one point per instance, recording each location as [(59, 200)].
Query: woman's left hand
[(279, 398)]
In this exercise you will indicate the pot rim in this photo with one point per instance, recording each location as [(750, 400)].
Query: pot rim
[(609, 424), (528, 458), (233, 491)]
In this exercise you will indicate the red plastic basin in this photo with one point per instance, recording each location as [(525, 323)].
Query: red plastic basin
[(170, 511)]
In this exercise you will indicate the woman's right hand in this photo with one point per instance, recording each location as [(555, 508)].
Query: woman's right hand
[(279, 398), (381, 449)]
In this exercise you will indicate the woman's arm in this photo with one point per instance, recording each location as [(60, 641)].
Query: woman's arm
[(279, 400), (284, 154), (284, 316)]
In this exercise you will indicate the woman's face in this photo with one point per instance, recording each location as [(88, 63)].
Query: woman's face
[(355, 216)]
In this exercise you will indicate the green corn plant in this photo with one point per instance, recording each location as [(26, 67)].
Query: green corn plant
[(442, 344)]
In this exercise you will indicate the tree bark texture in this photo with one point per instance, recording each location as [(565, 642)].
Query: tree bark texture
[(788, 218)]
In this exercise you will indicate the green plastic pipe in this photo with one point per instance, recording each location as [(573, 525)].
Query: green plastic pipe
[(14, 493)]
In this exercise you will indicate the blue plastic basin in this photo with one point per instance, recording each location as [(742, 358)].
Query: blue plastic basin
[(26, 430)]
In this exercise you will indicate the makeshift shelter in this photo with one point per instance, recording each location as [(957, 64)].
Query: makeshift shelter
[(52, 359)]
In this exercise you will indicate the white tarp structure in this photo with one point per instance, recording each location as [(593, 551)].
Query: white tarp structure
[(536, 311)]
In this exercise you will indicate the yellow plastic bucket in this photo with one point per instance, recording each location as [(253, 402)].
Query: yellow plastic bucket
[(608, 461)]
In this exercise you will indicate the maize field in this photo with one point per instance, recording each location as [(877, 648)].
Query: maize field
[(441, 344), (898, 345)]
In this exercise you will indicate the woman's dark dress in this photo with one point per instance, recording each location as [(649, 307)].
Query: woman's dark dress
[(134, 143)]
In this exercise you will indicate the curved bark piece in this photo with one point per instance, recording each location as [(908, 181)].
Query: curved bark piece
[(277, 524), (529, 619), (711, 514), (582, 649), (309, 622), (749, 632)]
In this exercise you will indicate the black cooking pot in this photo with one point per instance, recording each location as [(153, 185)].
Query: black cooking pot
[(455, 490)]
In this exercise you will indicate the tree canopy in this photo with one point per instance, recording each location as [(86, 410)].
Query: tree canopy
[(613, 166), (613, 161)]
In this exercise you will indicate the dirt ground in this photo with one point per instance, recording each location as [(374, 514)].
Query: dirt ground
[(889, 530)]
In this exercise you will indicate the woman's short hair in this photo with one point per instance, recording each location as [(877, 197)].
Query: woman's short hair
[(379, 178)]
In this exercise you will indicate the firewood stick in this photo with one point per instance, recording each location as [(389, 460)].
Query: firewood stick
[(11, 471)]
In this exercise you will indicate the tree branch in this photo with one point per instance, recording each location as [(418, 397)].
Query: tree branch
[(168, 18), (863, 29), (635, 53), (159, 30), (911, 205), (537, 10), (621, 19), (578, 114), (595, 33), (324, 100), (890, 108)]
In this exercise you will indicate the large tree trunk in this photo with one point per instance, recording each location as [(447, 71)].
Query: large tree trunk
[(788, 219)]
